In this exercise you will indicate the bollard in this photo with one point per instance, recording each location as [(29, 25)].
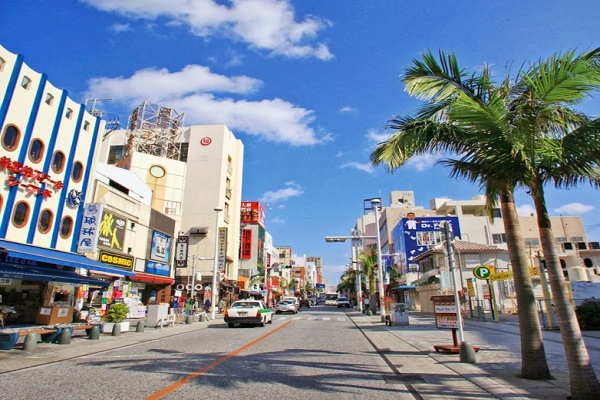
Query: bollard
[(31, 341), (467, 353), (94, 333), (202, 317), (65, 336), (116, 330), (140, 326), (188, 319)]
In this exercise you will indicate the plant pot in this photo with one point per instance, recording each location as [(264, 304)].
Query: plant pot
[(107, 327)]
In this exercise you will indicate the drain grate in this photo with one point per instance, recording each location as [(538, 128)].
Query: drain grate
[(402, 378)]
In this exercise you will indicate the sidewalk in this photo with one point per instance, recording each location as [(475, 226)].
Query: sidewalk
[(410, 350)]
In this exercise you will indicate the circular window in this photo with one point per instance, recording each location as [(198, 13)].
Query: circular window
[(66, 227), (21, 214), (10, 138), (58, 162), (36, 150), (157, 171), (77, 172), (45, 221)]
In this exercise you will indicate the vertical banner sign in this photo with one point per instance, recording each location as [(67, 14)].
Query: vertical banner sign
[(90, 228), (112, 231), (246, 244), (181, 252), (161, 247), (222, 248)]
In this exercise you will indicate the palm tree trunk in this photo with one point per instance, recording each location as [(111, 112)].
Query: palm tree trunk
[(533, 356), (583, 380)]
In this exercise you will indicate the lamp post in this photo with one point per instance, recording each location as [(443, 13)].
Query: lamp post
[(215, 267), (376, 203)]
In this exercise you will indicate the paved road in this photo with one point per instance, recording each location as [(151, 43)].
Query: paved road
[(316, 354)]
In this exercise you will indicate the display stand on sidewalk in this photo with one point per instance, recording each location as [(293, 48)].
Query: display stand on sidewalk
[(445, 318)]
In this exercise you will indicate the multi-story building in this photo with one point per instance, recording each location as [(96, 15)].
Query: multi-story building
[(48, 155), (195, 174)]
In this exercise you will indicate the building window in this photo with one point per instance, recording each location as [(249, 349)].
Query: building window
[(77, 172), (10, 138), (116, 154), (45, 221), (66, 227), (498, 238), (36, 150), (25, 83), (172, 207), (69, 113), (86, 126), (532, 242), (49, 99), (58, 162), (21, 214)]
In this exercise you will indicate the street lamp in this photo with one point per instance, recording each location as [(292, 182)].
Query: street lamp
[(376, 203), (215, 267)]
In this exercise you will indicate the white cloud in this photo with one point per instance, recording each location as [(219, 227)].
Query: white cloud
[(525, 210), (574, 209), (192, 90), (377, 137), (366, 167), (423, 162), (263, 24), (347, 109), (291, 190), (118, 28), (277, 221)]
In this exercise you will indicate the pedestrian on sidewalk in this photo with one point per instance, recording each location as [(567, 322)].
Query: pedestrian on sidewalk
[(221, 305)]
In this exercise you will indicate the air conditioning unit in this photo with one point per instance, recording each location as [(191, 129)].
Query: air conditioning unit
[(199, 230)]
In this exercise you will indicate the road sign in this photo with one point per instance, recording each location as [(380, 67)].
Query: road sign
[(320, 286), (181, 252), (483, 271)]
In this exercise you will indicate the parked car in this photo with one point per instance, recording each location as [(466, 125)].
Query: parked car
[(248, 312), (343, 302), (286, 306)]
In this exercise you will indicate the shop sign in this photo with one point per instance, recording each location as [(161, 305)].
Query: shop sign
[(118, 260), (156, 268), (502, 276), (446, 321), (31, 180), (90, 228), (160, 249), (181, 251), (222, 247), (112, 230)]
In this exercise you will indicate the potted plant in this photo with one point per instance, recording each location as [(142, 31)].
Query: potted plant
[(116, 314)]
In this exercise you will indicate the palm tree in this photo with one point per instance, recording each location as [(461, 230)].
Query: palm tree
[(518, 133), (368, 262)]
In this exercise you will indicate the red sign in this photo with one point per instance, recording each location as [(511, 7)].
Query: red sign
[(28, 174), (252, 213), (246, 247), (205, 141)]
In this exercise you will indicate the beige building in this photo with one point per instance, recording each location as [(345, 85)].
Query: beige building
[(195, 174)]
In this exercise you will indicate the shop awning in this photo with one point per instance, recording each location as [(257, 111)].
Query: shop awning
[(53, 257), (47, 275), (404, 287), (141, 277)]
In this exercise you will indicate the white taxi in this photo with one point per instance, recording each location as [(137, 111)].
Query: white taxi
[(248, 312)]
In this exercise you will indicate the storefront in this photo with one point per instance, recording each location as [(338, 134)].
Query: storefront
[(42, 286)]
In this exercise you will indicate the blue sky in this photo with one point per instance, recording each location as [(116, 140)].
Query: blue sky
[(306, 85)]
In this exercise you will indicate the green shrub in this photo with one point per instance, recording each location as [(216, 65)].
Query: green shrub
[(588, 315), (117, 312)]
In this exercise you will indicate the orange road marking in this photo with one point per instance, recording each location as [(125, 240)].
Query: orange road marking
[(177, 384)]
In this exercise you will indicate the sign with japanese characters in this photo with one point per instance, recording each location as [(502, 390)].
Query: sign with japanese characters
[(90, 228), (112, 231), (181, 251), (160, 249)]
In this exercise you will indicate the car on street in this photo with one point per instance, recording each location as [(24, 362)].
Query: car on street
[(248, 312), (343, 302), (286, 306), (293, 299)]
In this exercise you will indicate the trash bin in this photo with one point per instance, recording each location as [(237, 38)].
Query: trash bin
[(8, 340)]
